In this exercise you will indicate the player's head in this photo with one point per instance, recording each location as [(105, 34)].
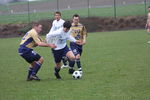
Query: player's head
[(57, 15), (66, 26), (76, 18), (149, 8), (37, 27)]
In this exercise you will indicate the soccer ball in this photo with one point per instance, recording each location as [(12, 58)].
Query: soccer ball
[(76, 75)]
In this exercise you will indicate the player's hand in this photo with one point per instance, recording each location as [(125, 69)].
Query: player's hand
[(83, 43), (52, 46), (79, 42)]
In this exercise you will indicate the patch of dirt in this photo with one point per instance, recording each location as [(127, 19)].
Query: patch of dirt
[(93, 24)]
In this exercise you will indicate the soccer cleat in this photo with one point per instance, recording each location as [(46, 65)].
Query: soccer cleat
[(29, 79), (57, 75), (148, 42), (33, 77), (80, 70), (70, 71), (64, 66)]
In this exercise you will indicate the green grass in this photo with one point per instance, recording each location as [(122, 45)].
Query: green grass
[(129, 10), (116, 67)]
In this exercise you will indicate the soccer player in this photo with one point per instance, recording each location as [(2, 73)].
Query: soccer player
[(62, 49), (148, 22), (78, 31), (57, 24), (32, 39)]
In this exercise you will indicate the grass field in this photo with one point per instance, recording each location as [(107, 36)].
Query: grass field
[(128, 10), (116, 67)]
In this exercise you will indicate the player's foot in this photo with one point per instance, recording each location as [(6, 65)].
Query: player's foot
[(70, 71), (64, 66), (148, 42), (33, 77), (29, 79), (80, 70), (57, 75)]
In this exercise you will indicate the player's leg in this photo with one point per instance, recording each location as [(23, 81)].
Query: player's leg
[(57, 57), (71, 57), (78, 56), (57, 70), (148, 30), (78, 62), (148, 27), (36, 62), (36, 65), (72, 62), (64, 60)]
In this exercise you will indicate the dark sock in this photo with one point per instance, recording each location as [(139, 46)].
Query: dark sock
[(57, 69), (36, 68), (78, 63), (71, 64), (64, 59), (30, 70)]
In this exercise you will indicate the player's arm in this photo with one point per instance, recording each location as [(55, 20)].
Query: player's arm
[(40, 43), (84, 33), (52, 28), (54, 33), (72, 39)]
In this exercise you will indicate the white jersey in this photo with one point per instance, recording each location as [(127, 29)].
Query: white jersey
[(59, 38), (56, 25)]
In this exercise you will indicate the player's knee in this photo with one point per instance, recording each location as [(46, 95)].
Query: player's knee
[(41, 60), (78, 56), (58, 65), (72, 58)]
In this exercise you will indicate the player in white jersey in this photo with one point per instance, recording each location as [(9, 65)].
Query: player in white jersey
[(61, 36), (57, 23), (148, 22)]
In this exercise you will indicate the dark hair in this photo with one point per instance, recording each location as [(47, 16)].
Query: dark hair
[(35, 24), (76, 15), (67, 24), (57, 12), (148, 6)]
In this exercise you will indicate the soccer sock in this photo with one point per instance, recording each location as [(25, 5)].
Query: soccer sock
[(36, 68), (30, 70), (64, 59), (78, 64), (56, 69), (71, 64)]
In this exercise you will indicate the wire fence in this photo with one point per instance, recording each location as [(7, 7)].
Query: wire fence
[(27, 11)]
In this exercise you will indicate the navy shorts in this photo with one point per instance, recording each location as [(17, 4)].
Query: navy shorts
[(59, 54), (76, 49), (148, 27), (28, 54)]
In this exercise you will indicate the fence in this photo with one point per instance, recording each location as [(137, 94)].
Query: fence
[(27, 11)]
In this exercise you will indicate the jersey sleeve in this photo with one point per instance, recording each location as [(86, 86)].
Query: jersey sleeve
[(71, 38), (84, 31), (54, 33), (52, 28)]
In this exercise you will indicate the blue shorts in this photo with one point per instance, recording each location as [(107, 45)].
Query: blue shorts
[(58, 54), (76, 49), (148, 27), (28, 54)]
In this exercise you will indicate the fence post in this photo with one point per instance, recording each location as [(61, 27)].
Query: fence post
[(28, 11), (145, 8), (115, 15), (57, 5)]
